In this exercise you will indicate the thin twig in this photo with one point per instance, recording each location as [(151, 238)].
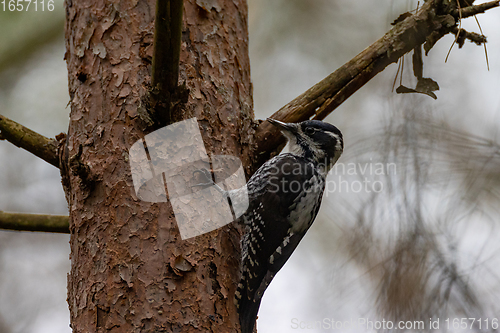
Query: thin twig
[(34, 222), (29, 140)]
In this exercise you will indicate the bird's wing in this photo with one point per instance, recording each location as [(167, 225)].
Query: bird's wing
[(267, 246)]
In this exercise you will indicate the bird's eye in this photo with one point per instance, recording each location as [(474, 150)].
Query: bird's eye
[(309, 130)]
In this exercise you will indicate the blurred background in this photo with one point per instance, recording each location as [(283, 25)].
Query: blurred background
[(409, 227)]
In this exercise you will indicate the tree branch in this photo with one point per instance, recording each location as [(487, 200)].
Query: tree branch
[(34, 222), (428, 25), (166, 54), (29, 140)]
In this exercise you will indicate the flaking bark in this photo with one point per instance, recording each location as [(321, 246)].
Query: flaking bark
[(23, 137)]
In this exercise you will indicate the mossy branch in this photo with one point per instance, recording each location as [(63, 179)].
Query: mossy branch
[(34, 222), (29, 140)]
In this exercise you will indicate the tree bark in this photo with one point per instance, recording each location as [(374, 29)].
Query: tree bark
[(130, 270)]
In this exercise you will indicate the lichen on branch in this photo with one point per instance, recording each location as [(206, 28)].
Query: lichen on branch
[(34, 222)]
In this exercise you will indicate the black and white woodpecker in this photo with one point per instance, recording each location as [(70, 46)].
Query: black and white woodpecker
[(284, 198)]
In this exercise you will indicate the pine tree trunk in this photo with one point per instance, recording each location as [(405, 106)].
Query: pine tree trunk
[(130, 270)]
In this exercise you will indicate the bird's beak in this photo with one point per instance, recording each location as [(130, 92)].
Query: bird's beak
[(286, 128)]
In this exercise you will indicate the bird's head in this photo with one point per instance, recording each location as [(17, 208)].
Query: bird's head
[(313, 139)]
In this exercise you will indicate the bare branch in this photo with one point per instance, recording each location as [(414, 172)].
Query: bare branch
[(34, 222), (166, 54), (29, 140), (429, 24), (462, 35), (481, 8)]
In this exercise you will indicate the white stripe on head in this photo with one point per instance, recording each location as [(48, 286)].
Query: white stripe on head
[(336, 137)]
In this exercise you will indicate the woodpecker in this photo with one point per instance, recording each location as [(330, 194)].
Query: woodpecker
[(284, 198)]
